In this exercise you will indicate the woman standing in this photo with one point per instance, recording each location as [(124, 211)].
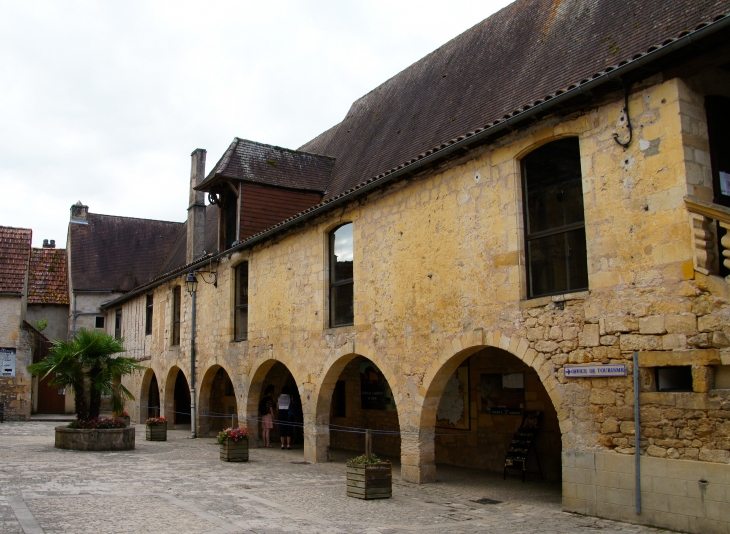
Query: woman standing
[(285, 428), (266, 411)]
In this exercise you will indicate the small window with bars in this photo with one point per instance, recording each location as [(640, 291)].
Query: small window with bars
[(176, 303), (148, 319), (241, 303)]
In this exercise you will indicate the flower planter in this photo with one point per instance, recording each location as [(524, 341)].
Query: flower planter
[(101, 439), (127, 420), (156, 432), (232, 451), (374, 481)]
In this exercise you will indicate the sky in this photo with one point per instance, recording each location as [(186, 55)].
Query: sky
[(103, 101)]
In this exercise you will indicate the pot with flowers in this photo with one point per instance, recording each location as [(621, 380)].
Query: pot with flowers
[(124, 416), (156, 429), (234, 444), (368, 477)]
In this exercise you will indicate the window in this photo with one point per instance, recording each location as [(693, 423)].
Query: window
[(176, 294), (341, 277), (674, 378), (241, 304), (555, 237), (99, 323), (148, 321), (228, 222), (118, 324)]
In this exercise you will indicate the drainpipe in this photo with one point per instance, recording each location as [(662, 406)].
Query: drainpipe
[(192, 369), (78, 314), (637, 435)]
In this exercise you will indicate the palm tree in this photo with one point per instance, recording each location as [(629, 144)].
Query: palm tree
[(88, 365)]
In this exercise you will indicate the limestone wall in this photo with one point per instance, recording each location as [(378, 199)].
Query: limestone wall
[(439, 274), (15, 392)]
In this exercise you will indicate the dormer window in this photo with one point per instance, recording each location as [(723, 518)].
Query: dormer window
[(229, 216)]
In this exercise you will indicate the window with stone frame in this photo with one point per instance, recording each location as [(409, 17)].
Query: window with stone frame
[(241, 302), (148, 317), (341, 283), (555, 238), (176, 304)]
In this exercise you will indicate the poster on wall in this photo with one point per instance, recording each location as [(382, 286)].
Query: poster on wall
[(453, 411), (375, 393), (503, 394), (7, 362)]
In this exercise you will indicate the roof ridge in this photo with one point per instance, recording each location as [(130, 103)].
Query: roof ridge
[(134, 218)]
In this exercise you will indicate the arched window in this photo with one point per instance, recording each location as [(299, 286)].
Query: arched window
[(341, 279), (555, 237), (241, 303)]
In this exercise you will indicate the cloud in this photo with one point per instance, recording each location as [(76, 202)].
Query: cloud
[(104, 101)]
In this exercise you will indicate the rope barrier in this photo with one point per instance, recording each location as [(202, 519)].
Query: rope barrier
[(335, 428)]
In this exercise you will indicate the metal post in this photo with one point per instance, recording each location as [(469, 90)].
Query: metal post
[(368, 444), (637, 434), (192, 369)]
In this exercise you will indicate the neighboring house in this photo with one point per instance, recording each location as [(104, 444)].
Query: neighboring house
[(15, 340), (48, 304), (544, 196)]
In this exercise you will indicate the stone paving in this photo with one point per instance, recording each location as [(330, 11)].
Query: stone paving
[(182, 486)]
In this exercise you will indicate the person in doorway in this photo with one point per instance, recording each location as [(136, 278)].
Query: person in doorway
[(266, 412), (285, 428)]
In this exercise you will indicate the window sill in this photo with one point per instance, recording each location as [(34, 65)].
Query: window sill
[(544, 301), (239, 340), (339, 329)]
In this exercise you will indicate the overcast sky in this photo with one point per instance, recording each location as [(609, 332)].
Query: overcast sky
[(103, 101)]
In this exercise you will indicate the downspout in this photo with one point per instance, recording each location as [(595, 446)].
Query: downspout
[(192, 369), (637, 435)]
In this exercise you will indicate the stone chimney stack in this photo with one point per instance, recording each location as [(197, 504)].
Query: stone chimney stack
[(80, 213), (52, 243), (196, 208)]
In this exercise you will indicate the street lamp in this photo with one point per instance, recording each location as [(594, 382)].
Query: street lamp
[(191, 284)]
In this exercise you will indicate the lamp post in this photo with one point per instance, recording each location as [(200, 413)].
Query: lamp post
[(191, 284)]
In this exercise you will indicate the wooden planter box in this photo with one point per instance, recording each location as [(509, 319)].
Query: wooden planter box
[(371, 482), (234, 452), (156, 432)]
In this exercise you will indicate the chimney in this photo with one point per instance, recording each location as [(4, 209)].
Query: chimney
[(46, 244), (79, 213), (196, 208)]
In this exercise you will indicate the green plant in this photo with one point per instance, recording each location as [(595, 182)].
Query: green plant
[(41, 325), (236, 434), (156, 421), (363, 460), (88, 365)]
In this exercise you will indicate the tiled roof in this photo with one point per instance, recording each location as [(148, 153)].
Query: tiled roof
[(271, 165), (525, 54), (14, 257), (113, 253), (47, 280)]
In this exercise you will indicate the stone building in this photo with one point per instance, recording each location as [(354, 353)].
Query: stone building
[(15, 339), (545, 196)]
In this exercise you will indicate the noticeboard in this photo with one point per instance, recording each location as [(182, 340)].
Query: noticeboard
[(7, 361)]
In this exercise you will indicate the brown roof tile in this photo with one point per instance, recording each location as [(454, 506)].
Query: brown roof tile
[(118, 253), (47, 279), (14, 257), (271, 165), (519, 56)]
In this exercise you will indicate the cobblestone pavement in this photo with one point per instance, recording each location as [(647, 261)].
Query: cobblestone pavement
[(182, 486)]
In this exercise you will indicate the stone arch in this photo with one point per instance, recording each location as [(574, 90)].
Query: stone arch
[(210, 418), (259, 372), (169, 401), (146, 399), (317, 433), (441, 370)]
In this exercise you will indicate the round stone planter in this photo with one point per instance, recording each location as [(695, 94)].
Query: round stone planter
[(107, 439), (156, 432), (234, 452)]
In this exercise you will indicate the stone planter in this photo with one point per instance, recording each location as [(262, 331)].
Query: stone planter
[(156, 432), (234, 452), (106, 439), (370, 482)]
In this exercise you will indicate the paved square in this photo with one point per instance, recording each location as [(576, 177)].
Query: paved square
[(182, 486)]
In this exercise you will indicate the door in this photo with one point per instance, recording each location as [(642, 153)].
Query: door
[(50, 399)]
